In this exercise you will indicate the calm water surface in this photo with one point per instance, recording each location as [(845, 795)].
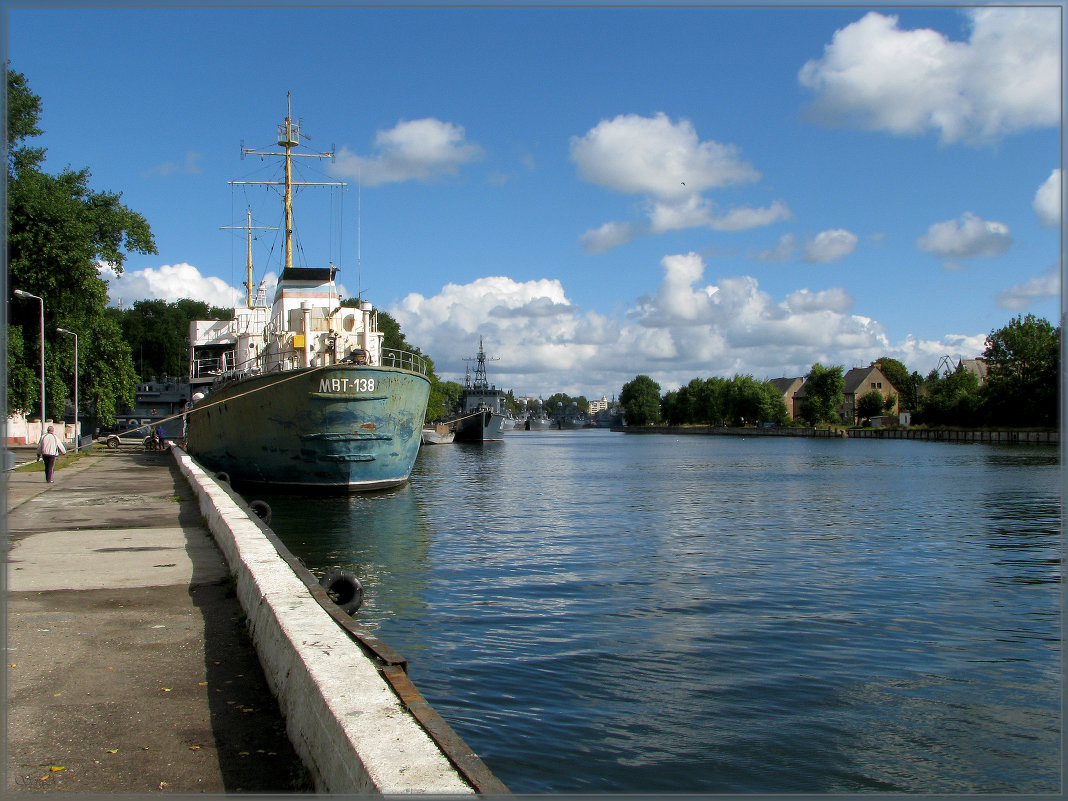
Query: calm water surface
[(608, 613)]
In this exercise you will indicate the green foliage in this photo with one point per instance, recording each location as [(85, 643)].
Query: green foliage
[(444, 398), (105, 391), (871, 403), (1023, 359), (737, 401), (58, 231), (824, 393), (951, 400), (23, 385), (904, 382), (773, 407), (640, 399), (559, 403), (158, 333)]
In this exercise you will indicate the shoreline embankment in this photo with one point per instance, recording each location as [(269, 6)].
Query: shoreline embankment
[(352, 715), (924, 434)]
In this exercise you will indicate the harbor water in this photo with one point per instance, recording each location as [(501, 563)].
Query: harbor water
[(596, 612)]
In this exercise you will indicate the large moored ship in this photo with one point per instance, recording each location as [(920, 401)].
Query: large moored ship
[(302, 393)]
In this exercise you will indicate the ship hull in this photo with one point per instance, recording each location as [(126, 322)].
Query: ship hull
[(341, 428), (481, 426)]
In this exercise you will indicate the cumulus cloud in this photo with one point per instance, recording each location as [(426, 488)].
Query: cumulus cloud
[(688, 327), (1020, 296), (828, 246), (666, 163), (835, 299), (967, 238), (1047, 203), (1003, 80), (413, 150), (171, 282), (655, 156)]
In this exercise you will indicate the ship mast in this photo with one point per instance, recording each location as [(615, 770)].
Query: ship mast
[(248, 262), (288, 138)]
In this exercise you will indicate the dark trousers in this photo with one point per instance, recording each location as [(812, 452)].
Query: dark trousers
[(50, 465)]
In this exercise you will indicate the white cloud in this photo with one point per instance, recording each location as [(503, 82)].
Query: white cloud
[(173, 282), (1003, 80), (667, 164), (742, 219), (688, 327), (835, 299), (923, 355), (828, 246), (419, 150), (1047, 203), (967, 238), (608, 236), (1021, 296), (654, 156), (783, 251)]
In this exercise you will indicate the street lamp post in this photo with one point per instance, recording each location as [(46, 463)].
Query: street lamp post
[(22, 294), (76, 432)]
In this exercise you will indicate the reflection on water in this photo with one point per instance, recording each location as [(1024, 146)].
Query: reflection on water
[(379, 536), (597, 612)]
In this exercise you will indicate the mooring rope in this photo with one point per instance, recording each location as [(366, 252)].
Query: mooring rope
[(202, 407)]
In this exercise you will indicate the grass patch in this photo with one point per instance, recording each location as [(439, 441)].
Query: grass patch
[(66, 460)]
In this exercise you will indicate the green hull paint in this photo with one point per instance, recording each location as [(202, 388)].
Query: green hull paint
[(341, 427)]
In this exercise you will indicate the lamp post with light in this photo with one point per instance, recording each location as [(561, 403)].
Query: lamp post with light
[(76, 432), (22, 294)]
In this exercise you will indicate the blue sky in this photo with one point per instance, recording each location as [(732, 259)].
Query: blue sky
[(598, 192)]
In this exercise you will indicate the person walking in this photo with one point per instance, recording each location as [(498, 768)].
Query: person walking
[(49, 448)]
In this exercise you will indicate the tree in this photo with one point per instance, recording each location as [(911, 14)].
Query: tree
[(1023, 360), (773, 408), (904, 382), (952, 399), (824, 393), (640, 399), (444, 398), (22, 383), (58, 232), (870, 404), (158, 333)]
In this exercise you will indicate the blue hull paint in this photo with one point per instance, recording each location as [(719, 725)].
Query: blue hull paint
[(341, 427)]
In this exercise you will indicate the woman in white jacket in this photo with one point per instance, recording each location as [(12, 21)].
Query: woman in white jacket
[(48, 449)]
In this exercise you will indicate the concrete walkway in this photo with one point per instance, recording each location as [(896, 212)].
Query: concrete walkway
[(128, 665)]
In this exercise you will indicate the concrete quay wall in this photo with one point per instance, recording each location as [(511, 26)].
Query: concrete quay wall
[(344, 719)]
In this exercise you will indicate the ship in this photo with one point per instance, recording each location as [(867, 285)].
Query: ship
[(481, 413), (538, 420), (301, 393)]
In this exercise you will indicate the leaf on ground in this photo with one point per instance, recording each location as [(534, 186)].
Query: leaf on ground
[(57, 768), (112, 750)]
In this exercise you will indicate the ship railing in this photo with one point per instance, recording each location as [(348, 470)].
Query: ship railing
[(406, 360), (210, 366)]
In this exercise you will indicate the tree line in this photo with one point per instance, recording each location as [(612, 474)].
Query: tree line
[(1020, 390)]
